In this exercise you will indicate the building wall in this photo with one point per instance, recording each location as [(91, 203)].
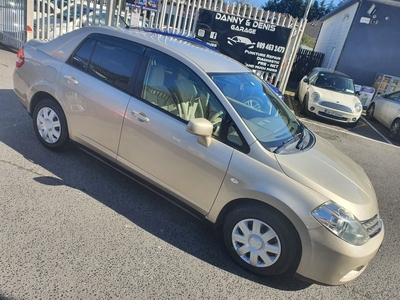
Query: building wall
[(333, 35), (372, 48)]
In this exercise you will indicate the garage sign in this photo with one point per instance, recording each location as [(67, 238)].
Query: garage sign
[(258, 45)]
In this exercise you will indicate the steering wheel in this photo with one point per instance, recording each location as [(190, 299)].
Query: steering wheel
[(257, 103)]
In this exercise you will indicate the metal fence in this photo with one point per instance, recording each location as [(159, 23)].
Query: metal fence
[(304, 62), (46, 19), (12, 22)]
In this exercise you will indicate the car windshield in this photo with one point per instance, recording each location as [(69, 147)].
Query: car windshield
[(336, 83), (266, 116)]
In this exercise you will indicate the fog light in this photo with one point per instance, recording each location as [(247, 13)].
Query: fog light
[(353, 274), (312, 108), (354, 119)]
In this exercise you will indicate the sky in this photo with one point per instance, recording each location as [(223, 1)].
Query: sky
[(258, 3)]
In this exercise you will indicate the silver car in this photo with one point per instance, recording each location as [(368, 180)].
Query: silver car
[(386, 109), (181, 117)]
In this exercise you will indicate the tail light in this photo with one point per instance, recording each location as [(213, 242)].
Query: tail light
[(20, 57)]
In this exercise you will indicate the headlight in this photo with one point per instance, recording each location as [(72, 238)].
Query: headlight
[(341, 222), (358, 107), (314, 96)]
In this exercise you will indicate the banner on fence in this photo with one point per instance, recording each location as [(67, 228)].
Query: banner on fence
[(258, 45), (143, 5)]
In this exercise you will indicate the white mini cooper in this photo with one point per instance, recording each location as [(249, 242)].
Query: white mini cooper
[(329, 94)]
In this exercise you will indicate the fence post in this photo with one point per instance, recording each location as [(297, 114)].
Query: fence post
[(28, 20)]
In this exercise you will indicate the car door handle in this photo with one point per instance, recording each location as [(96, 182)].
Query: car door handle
[(71, 79), (140, 116)]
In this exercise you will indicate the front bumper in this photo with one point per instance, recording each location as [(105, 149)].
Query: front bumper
[(334, 112), (332, 261)]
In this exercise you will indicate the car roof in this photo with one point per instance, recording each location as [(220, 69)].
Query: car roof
[(188, 38), (186, 51), (326, 70)]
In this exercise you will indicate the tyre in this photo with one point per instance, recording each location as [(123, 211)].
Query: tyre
[(370, 112), (50, 124), (395, 130), (262, 240), (304, 106)]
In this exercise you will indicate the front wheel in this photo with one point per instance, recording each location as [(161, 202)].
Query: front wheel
[(262, 240), (370, 112), (395, 130), (304, 106), (50, 124)]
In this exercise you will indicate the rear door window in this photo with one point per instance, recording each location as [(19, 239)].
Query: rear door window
[(109, 59)]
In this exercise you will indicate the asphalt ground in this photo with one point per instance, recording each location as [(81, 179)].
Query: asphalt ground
[(73, 228)]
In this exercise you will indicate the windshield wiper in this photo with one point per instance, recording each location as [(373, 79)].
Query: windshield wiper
[(291, 140)]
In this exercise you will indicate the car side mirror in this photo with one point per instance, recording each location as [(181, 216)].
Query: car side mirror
[(358, 93), (306, 80), (383, 95), (202, 128)]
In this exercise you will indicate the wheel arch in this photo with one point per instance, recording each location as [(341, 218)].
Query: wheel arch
[(394, 120), (49, 100), (303, 243), (368, 115), (290, 215), (37, 97), (395, 138)]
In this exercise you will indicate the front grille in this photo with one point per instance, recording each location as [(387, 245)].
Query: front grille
[(336, 106), (331, 116), (373, 226)]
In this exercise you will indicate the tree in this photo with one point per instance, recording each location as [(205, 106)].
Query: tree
[(296, 8)]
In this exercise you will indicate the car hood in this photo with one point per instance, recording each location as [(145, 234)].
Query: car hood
[(337, 97), (333, 174)]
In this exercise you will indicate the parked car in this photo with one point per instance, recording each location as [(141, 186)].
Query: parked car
[(276, 91), (98, 18), (386, 109), (53, 25), (47, 8), (329, 94), (177, 117)]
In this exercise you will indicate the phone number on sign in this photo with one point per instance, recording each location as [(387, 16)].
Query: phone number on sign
[(270, 47)]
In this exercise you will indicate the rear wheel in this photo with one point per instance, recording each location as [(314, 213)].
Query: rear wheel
[(370, 112), (50, 124), (262, 240), (395, 130)]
